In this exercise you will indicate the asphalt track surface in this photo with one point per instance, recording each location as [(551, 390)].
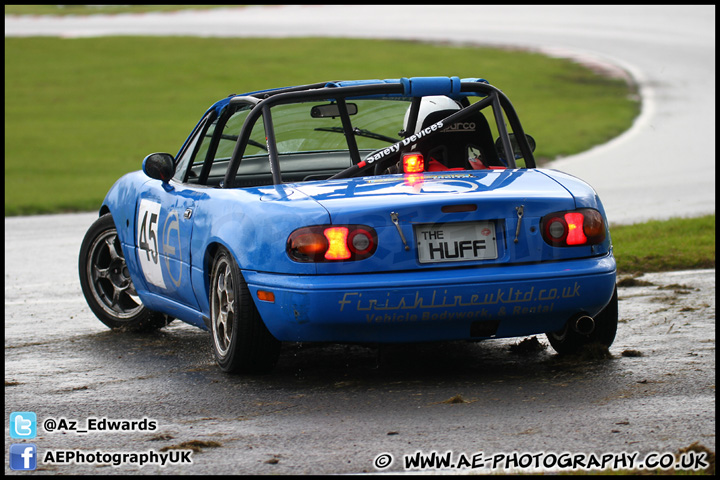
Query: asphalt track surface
[(336, 409)]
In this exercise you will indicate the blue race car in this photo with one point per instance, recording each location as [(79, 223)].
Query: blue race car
[(373, 211)]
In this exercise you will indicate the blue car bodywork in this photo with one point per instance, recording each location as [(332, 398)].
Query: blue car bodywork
[(447, 253)]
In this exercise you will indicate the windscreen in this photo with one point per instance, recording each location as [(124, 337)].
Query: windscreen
[(312, 127)]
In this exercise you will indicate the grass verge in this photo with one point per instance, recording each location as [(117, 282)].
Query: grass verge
[(659, 246), (81, 112), (101, 9)]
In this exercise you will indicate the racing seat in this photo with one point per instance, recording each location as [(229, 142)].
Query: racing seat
[(451, 146)]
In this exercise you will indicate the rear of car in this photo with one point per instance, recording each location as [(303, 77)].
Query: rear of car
[(383, 211), (454, 256)]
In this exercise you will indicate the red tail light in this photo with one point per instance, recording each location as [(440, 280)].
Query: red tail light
[(331, 243), (413, 163), (575, 234), (584, 226), (337, 243)]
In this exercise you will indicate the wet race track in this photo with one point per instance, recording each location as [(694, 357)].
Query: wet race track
[(334, 408), (353, 409)]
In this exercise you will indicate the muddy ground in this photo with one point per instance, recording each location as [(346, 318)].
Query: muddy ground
[(334, 409)]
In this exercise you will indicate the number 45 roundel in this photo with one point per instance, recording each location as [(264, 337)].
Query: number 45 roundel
[(147, 241)]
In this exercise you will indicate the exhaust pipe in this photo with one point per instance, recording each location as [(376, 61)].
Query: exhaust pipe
[(583, 324)]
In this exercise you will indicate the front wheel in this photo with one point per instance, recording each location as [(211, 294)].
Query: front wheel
[(106, 282), (240, 339), (568, 341)]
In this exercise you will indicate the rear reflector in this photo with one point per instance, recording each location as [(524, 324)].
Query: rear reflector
[(266, 296)]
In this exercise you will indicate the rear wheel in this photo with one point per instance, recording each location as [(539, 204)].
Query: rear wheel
[(240, 339), (106, 282), (568, 341)]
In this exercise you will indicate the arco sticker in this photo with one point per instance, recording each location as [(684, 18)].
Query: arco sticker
[(147, 242)]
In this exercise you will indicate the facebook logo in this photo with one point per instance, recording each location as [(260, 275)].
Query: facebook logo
[(23, 456), (23, 425)]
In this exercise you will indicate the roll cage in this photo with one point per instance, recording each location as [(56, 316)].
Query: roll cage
[(261, 103)]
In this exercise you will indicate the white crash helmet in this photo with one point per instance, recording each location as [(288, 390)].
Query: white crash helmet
[(429, 105)]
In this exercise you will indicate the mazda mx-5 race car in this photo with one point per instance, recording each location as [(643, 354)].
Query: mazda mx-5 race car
[(373, 211)]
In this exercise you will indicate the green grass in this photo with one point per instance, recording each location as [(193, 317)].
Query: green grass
[(79, 113), (659, 246), (100, 9)]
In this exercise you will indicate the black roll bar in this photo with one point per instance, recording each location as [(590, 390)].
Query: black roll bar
[(318, 92)]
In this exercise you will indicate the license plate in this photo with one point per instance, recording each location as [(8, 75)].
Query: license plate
[(456, 242)]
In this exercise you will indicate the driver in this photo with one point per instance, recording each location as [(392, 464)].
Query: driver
[(428, 106)]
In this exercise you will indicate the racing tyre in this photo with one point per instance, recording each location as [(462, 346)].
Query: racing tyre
[(240, 339), (106, 282), (568, 341)]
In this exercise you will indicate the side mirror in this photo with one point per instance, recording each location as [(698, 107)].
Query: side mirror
[(516, 148), (160, 166)]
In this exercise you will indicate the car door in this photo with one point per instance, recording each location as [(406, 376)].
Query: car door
[(164, 224), (163, 233), (166, 211)]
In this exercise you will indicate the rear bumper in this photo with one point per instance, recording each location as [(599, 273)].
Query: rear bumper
[(433, 305)]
